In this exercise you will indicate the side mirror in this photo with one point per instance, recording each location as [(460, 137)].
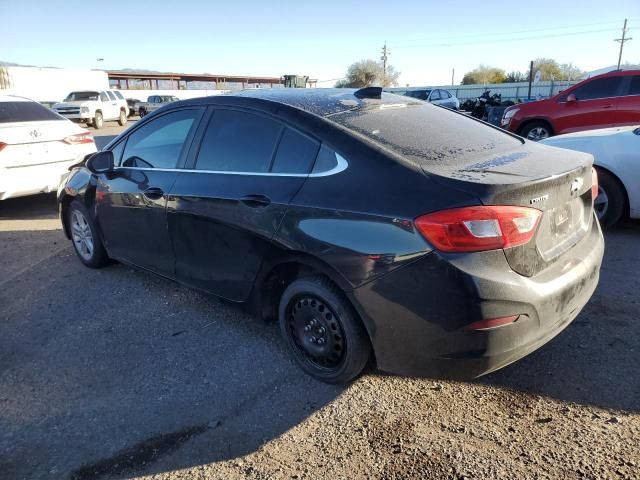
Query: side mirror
[(571, 98), (100, 162)]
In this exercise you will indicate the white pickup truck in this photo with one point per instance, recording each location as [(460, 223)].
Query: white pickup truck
[(94, 108)]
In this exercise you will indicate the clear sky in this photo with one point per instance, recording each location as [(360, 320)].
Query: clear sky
[(427, 39)]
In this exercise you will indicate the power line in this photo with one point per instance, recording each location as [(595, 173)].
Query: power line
[(622, 40), (503, 40)]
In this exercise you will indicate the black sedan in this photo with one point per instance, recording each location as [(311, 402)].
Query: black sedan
[(373, 227)]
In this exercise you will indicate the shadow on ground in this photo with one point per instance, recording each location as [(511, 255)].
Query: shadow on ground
[(106, 372)]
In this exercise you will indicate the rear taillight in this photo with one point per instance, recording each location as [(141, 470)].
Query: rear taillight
[(474, 229), (594, 183), (79, 138), (2, 145)]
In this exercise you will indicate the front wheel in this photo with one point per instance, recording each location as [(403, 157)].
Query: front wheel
[(536, 131), (98, 121), (122, 120), (322, 331), (610, 202), (84, 235)]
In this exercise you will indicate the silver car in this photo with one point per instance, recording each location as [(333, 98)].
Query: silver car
[(437, 96)]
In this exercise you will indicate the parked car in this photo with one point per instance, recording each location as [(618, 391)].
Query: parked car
[(154, 102), (37, 146), (616, 153), (608, 100), (132, 103), (94, 108), (437, 96), (364, 222)]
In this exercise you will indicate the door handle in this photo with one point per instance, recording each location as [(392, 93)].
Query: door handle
[(256, 201), (153, 193), (608, 106)]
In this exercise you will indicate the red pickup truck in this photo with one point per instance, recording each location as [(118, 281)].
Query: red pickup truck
[(608, 100)]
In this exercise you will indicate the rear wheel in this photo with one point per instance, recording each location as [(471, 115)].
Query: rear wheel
[(610, 202), (98, 121), (536, 131), (322, 331), (123, 118), (84, 236)]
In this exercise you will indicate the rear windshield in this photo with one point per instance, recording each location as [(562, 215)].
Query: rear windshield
[(75, 96), (25, 112), (423, 133)]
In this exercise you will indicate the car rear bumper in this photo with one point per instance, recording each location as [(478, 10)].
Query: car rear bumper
[(418, 316), (38, 178)]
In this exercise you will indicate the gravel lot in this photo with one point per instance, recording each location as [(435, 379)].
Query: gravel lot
[(117, 373)]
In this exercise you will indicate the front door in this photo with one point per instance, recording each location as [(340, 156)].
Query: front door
[(226, 208), (595, 106), (131, 201)]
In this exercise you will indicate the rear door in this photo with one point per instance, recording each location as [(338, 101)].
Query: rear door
[(227, 206), (595, 107), (628, 112), (131, 202)]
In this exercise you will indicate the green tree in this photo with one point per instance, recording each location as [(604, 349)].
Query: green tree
[(483, 74), (515, 76), (549, 69), (366, 73)]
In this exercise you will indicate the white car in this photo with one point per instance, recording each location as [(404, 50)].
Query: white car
[(94, 108), (37, 146), (616, 152)]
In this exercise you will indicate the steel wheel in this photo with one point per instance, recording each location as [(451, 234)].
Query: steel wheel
[(82, 235), (538, 133), (601, 203), (316, 332)]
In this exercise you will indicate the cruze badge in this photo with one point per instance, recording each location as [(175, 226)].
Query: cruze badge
[(576, 185), (541, 199)]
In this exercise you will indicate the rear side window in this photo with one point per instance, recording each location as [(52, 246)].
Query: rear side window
[(444, 94), (25, 112), (326, 160), (111, 95), (600, 88), (159, 143), (634, 86), (118, 94), (295, 154), (238, 142)]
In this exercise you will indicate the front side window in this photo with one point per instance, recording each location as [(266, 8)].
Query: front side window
[(103, 97), (159, 143), (634, 86), (444, 94), (600, 88), (111, 95), (238, 142), (435, 95)]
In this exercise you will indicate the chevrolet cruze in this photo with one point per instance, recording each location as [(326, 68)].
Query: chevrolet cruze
[(372, 227)]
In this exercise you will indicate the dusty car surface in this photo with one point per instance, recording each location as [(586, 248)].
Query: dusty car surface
[(371, 226)]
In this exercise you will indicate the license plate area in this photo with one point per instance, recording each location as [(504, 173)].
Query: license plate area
[(562, 227)]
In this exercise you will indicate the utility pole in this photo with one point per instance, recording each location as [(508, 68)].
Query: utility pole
[(453, 74), (622, 40), (384, 57)]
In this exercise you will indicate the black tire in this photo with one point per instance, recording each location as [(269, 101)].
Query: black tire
[(537, 130), (98, 121), (611, 200), (142, 112), (97, 257), (122, 120), (313, 308)]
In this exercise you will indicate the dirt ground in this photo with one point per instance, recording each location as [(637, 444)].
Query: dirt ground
[(116, 373)]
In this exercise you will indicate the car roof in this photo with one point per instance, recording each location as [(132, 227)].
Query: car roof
[(14, 98), (322, 102)]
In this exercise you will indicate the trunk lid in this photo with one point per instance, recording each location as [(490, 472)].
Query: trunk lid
[(557, 182)]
